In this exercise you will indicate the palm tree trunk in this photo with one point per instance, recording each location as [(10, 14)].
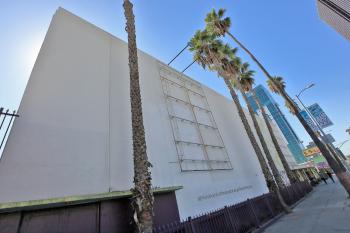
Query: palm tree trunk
[(285, 164), (265, 169), (339, 170), (272, 164), (250, 55), (271, 184), (342, 175), (336, 156), (142, 194)]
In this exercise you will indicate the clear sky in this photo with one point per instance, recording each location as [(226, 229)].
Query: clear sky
[(287, 36)]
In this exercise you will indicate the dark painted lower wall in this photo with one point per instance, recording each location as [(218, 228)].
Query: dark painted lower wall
[(98, 217)]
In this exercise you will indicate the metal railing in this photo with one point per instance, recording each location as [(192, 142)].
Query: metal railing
[(239, 218), (6, 120)]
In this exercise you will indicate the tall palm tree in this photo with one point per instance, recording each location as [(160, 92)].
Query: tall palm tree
[(247, 81), (277, 85), (293, 112), (211, 53), (217, 25), (290, 174), (142, 194), (244, 83)]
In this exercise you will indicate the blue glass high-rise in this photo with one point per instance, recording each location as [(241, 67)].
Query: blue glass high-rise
[(294, 143)]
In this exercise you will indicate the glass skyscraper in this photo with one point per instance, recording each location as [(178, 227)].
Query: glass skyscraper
[(294, 144)]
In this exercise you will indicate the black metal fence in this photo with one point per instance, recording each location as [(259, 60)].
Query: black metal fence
[(6, 119), (239, 218)]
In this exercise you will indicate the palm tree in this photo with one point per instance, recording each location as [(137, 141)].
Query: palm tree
[(317, 133), (244, 83), (247, 81), (291, 176), (211, 53), (217, 26), (293, 107), (142, 194), (277, 85)]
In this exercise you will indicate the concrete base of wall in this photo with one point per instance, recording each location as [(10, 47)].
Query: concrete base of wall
[(104, 215)]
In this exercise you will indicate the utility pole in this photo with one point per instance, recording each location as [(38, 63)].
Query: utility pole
[(321, 133)]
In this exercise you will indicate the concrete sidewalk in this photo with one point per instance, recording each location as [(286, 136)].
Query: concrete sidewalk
[(325, 210)]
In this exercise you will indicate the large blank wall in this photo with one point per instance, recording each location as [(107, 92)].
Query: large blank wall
[(73, 135)]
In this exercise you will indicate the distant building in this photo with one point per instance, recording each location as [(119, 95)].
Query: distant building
[(314, 155), (285, 150), (336, 13), (294, 144), (311, 144)]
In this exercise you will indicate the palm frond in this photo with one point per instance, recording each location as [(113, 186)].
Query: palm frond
[(221, 12), (245, 76), (276, 84), (226, 22), (215, 23)]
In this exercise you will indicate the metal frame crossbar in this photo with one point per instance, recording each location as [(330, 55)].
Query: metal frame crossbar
[(183, 83)]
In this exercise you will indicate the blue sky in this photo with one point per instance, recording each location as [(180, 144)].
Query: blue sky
[(287, 36)]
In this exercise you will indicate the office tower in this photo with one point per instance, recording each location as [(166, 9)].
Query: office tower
[(294, 144)]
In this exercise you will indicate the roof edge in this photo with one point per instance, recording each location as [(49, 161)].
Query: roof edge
[(74, 200)]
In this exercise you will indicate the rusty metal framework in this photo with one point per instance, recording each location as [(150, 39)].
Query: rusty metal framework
[(6, 120), (197, 138)]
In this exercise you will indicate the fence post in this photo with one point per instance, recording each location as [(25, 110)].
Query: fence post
[(290, 195), (296, 189), (3, 119), (293, 193), (230, 220), (7, 129), (254, 213), (193, 230), (267, 201), (300, 190)]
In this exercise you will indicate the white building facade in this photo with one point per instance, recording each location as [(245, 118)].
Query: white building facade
[(73, 136)]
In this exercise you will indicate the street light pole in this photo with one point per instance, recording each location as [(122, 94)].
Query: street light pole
[(323, 134), (342, 143), (304, 89)]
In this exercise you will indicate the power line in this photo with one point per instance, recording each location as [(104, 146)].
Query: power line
[(179, 53), (189, 66)]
